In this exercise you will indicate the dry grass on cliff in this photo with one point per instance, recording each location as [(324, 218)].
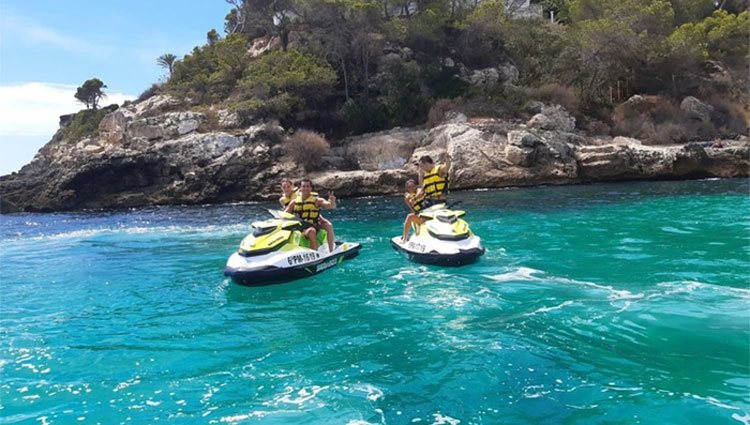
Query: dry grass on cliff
[(307, 148), (382, 155), (148, 93), (659, 120), (653, 119), (730, 116), (211, 121), (558, 94), (440, 109)]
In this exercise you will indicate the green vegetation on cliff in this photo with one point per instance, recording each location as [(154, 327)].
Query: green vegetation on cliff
[(283, 83), (352, 66), (82, 124)]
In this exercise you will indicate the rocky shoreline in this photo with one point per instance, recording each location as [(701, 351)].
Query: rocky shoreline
[(152, 154)]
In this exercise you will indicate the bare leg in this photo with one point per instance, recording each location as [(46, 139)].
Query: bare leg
[(417, 222), (312, 235), (410, 219), (405, 233), (331, 238)]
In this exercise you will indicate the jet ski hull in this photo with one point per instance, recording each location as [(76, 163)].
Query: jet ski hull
[(281, 267), (443, 238), (418, 252)]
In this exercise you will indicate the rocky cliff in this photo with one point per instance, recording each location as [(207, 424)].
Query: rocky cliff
[(154, 153)]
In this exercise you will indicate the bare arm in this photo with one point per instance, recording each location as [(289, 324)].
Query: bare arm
[(289, 208), (445, 168), (329, 203)]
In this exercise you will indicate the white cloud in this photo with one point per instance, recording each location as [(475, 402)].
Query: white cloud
[(34, 109)]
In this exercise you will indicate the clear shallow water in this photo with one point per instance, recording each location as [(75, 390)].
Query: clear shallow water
[(611, 303)]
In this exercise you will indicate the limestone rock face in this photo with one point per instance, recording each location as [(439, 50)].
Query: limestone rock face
[(142, 157), (504, 74), (380, 151), (112, 127), (228, 119), (361, 182), (145, 156), (696, 109), (262, 45), (153, 105), (194, 168), (554, 118), (635, 161), (165, 126), (485, 157)]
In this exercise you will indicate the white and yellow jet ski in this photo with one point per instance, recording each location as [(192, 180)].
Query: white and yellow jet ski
[(444, 239), (276, 251)]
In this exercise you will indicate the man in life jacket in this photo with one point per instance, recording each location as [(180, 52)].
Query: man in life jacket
[(413, 199), (307, 207), (289, 192), (433, 180)]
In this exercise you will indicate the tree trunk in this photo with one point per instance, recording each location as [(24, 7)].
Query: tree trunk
[(366, 66), (284, 36), (346, 79)]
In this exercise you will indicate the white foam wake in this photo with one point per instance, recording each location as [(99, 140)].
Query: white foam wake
[(525, 274), (214, 230)]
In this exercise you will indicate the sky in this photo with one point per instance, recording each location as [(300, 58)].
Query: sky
[(48, 48)]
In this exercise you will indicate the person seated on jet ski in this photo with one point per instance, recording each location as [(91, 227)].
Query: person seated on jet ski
[(288, 192), (433, 180), (307, 207), (413, 199)]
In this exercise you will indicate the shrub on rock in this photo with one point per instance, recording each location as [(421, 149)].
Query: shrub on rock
[(307, 148)]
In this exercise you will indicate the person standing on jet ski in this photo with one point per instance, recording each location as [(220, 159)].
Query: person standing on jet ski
[(433, 180), (307, 207), (414, 199)]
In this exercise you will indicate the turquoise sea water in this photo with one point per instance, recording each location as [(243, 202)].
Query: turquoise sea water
[(598, 304)]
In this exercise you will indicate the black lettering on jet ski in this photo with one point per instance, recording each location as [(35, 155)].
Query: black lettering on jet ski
[(417, 246), (327, 264)]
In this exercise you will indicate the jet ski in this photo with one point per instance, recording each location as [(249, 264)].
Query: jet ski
[(276, 251), (444, 239)]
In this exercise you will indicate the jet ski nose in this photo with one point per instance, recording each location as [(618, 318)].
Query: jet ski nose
[(449, 219)]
